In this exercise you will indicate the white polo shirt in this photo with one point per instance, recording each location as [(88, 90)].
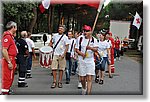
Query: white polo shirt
[(59, 50), (30, 44)]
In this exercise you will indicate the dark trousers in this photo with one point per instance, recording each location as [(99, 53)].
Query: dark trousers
[(117, 53), (22, 62), (29, 64)]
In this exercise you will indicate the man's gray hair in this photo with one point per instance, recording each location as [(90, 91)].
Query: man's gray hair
[(63, 27), (11, 24)]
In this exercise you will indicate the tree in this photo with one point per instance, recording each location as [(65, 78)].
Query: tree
[(22, 13)]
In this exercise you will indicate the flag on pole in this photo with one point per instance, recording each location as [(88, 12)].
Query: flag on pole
[(45, 5), (100, 5), (137, 20)]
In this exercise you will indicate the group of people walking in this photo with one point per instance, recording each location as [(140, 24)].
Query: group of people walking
[(84, 55)]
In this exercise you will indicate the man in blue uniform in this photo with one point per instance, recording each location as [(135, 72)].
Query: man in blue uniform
[(22, 59)]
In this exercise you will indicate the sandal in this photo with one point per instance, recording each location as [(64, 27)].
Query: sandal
[(110, 76), (59, 85), (54, 85), (101, 82), (97, 79)]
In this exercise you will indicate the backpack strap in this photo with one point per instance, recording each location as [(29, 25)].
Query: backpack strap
[(80, 43), (58, 42), (92, 40), (71, 46)]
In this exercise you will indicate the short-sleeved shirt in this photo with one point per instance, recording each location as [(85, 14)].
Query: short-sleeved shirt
[(59, 50), (84, 43), (117, 44), (102, 48), (22, 46), (72, 43), (30, 44), (109, 43), (9, 43)]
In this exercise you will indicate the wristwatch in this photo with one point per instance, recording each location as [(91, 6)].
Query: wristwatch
[(9, 62)]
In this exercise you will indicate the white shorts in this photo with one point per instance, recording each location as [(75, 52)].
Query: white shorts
[(86, 68)]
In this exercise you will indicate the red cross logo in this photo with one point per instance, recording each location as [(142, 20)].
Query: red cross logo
[(138, 21)]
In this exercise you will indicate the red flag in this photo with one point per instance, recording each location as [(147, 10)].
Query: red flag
[(41, 7), (92, 3), (45, 5)]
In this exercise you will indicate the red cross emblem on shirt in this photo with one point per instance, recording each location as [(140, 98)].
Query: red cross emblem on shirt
[(138, 21)]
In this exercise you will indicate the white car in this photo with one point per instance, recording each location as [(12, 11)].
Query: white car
[(38, 40)]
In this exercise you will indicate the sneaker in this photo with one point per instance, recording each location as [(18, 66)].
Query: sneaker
[(22, 85), (27, 77), (84, 91), (79, 85), (10, 92), (119, 58), (67, 82), (114, 59), (73, 73)]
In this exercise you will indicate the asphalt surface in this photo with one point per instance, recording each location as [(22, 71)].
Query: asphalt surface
[(127, 80)]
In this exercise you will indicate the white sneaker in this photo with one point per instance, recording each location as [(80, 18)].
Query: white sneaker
[(79, 85), (114, 59), (119, 58), (84, 91)]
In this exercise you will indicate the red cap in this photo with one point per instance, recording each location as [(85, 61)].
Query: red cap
[(87, 27)]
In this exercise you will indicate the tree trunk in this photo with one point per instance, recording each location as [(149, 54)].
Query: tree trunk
[(33, 21), (52, 19), (68, 22), (49, 19)]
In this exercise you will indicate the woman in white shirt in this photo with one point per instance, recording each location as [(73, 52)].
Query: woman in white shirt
[(104, 53)]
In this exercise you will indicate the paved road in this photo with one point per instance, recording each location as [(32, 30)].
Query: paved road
[(127, 80)]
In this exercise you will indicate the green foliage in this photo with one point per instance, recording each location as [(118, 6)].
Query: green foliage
[(18, 11)]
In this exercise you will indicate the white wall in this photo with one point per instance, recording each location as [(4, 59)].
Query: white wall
[(120, 28)]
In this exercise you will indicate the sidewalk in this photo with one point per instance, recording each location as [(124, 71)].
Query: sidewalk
[(128, 81)]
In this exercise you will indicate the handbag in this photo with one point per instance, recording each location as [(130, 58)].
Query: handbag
[(68, 56)]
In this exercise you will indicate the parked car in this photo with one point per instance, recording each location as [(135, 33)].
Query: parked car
[(131, 43), (39, 42)]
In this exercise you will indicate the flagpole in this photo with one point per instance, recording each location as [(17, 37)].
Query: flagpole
[(98, 12)]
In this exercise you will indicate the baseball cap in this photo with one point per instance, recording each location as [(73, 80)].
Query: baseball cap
[(86, 27)]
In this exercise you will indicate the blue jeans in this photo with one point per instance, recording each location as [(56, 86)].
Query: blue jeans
[(74, 65), (105, 59), (29, 64), (68, 69)]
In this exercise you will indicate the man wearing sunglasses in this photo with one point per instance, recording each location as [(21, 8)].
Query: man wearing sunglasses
[(85, 50)]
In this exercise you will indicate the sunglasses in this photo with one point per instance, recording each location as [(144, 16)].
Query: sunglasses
[(86, 30)]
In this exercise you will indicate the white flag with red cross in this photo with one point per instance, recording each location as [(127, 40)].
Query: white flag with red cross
[(137, 20), (45, 5)]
